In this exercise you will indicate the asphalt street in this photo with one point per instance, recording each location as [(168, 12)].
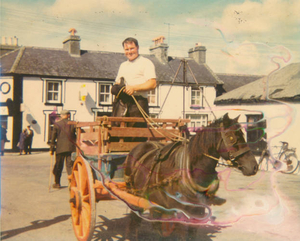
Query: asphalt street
[(262, 207)]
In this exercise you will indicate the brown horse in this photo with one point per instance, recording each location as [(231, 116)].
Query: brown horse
[(182, 176)]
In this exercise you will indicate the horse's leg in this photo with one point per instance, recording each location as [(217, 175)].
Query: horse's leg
[(132, 228)]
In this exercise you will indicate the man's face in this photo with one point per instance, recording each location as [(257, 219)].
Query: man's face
[(131, 51)]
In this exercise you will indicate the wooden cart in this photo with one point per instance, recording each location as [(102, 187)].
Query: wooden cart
[(101, 149)]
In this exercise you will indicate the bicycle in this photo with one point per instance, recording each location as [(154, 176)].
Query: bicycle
[(286, 160)]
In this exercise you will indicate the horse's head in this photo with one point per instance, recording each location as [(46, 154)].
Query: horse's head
[(233, 147)]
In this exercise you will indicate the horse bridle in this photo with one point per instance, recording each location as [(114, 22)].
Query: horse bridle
[(230, 139)]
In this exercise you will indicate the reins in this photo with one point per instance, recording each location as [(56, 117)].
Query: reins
[(154, 124)]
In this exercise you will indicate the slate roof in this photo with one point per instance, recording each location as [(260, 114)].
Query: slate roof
[(46, 62), (233, 81), (284, 84)]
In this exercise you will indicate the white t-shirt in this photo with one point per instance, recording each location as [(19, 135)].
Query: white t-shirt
[(136, 72)]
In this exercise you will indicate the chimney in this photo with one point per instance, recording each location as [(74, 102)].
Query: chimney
[(198, 53), (160, 49), (72, 43)]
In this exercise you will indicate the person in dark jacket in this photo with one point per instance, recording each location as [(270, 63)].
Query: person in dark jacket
[(65, 145), (28, 140), (3, 139)]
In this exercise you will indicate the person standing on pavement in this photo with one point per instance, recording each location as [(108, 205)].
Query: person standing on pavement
[(138, 74), (21, 143), (64, 135), (3, 139), (28, 140)]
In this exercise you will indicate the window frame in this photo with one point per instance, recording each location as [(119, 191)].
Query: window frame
[(152, 95), (103, 103), (60, 91), (200, 91), (197, 123)]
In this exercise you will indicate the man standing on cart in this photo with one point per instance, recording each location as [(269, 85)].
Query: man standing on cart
[(136, 77), (66, 139)]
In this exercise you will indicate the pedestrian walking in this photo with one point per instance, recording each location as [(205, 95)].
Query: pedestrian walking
[(64, 139), (21, 143), (28, 140)]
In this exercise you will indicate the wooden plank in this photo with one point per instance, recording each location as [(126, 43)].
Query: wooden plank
[(89, 150), (139, 119), (89, 136), (141, 132), (124, 146), (82, 124)]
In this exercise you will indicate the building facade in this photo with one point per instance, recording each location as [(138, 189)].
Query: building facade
[(43, 81), (269, 108)]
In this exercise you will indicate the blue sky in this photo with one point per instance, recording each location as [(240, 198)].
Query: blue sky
[(243, 37)]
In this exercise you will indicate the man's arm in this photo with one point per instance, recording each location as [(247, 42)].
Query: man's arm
[(148, 85)]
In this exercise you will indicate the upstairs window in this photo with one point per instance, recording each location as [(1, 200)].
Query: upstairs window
[(104, 94), (197, 97), (53, 90)]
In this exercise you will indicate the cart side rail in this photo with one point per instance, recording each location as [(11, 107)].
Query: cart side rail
[(101, 137)]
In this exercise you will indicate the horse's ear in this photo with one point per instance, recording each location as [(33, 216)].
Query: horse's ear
[(236, 119), (226, 120)]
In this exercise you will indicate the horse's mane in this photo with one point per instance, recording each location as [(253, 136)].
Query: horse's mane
[(205, 139)]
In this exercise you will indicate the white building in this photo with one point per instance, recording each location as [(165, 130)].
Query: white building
[(270, 106), (43, 81)]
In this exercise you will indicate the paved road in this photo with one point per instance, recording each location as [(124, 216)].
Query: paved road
[(263, 207)]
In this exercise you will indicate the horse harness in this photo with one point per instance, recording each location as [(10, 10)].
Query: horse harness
[(183, 175), (162, 153), (229, 139)]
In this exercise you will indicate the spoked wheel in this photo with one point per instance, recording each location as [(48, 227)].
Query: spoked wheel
[(289, 162), (82, 200)]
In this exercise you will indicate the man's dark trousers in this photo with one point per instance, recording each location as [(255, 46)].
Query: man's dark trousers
[(59, 165)]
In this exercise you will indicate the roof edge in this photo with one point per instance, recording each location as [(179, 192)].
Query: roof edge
[(17, 60)]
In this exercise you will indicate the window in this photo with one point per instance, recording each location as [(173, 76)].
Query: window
[(256, 137), (197, 97), (197, 121), (152, 97), (104, 94), (53, 91)]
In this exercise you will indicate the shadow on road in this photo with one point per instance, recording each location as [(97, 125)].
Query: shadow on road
[(37, 224), (120, 229)]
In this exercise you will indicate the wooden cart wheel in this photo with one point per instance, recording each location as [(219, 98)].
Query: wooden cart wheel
[(82, 200)]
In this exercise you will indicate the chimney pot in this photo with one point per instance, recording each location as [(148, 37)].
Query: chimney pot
[(4, 41), (15, 41)]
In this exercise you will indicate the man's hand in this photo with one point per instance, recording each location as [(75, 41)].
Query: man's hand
[(148, 85), (129, 90), (52, 149)]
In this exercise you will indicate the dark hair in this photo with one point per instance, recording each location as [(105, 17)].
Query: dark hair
[(130, 40)]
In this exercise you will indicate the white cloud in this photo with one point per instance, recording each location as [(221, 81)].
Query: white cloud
[(90, 8), (249, 58), (253, 18)]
